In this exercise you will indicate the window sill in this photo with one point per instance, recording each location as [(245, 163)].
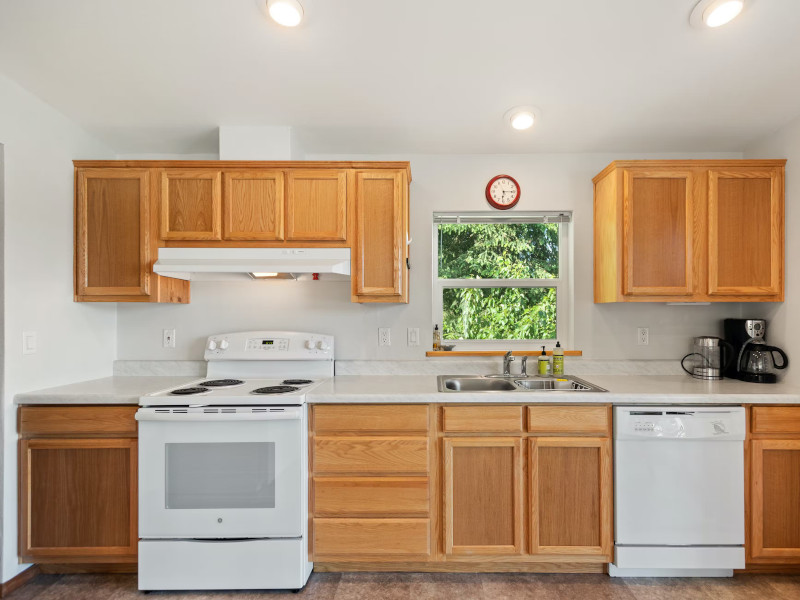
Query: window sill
[(438, 353)]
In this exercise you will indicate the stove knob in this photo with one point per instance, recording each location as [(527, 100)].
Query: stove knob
[(212, 344), (310, 344), (323, 346), (223, 345)]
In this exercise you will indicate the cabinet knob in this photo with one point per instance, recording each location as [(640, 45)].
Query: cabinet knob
[(212, 344), (323, 346), (224, 344)]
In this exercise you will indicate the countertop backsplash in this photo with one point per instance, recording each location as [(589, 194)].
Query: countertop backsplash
[(582, 367)]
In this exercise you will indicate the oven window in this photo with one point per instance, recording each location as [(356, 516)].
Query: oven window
[(221, 475)]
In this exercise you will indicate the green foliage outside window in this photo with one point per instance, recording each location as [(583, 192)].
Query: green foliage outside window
[(499, 251)]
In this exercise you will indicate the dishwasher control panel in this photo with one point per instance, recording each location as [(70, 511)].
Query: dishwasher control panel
[(679, 422)]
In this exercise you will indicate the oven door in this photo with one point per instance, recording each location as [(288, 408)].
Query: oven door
[(232, 474)]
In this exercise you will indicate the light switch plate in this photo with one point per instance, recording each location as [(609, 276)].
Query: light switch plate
[(413, 336), (168, 340), (28, 342)]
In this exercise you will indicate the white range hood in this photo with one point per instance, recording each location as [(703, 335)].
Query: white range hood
[(213, 264)]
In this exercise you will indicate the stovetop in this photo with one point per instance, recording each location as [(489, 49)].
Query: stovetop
[(234, 391)]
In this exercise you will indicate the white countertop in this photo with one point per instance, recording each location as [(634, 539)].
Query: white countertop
[(363, 389), (622, 389), (120, 389)]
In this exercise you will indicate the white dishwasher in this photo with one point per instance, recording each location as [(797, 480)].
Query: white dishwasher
[(678, 491)]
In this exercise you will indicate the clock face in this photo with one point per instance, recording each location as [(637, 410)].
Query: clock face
[(502, 192)]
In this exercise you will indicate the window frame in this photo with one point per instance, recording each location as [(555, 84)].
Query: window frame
[(563, 283)]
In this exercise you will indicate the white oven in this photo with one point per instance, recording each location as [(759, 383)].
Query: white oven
[(221, 472), (223, 467)]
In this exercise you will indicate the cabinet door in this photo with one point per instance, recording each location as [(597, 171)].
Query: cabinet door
[(252, 205), (190, 204), (316, 207), (745, 232), (482, 496), (78, 499), (381, 232), (775, 499), (570, 496), (658, 216), (112, 225)]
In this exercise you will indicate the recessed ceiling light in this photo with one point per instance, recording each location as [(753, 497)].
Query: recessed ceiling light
[(288, 13), (715, 13), (521, 117)]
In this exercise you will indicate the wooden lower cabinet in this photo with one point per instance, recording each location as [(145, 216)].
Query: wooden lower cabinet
[(506, 488), (774, 487), (571, 501), (77, 487), (482, 496)]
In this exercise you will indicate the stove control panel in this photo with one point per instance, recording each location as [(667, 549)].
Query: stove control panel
[(269, 345)]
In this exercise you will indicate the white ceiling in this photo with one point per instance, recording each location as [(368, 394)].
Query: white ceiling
[(373, 76)]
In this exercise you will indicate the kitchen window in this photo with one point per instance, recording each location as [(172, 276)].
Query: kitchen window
[(502, 280)]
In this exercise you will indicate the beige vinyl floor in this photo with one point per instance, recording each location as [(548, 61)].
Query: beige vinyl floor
[(425, 586)]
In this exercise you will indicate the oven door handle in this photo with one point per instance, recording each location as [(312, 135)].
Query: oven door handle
[(178, 415)]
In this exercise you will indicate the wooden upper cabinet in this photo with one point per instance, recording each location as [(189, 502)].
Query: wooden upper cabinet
[(483, 496), (316, 205), (381, 246), (252, 205), (570, 496), (112, 227), (658, 210), (191, 204), (689, 231), (745, 231)]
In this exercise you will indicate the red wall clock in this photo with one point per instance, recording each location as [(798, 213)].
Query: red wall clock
[(502, 192)]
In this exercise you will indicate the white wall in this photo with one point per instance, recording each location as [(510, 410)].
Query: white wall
[(784, 318), (76, 341), (452, 182)]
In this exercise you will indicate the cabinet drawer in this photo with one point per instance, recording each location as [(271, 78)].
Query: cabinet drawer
[(776, 419), (569, 419), (370, 455), (371, 537), (493, 419), (370, 418), (77, 420), (371, 496)]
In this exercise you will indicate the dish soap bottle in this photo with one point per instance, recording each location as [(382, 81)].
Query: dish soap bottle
[(543, 366), (558, 359), (437, 339)]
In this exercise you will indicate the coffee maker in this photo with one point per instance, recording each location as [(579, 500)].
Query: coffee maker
[(755, 361)]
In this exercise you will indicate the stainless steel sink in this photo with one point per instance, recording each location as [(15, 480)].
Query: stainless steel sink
[(488, 383), (475, 384)]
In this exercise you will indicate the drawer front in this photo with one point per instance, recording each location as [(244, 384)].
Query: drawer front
[(370, 455), (595, 420), (370, 418), (776, 419), (352, 538), (490, 419), (77, 420), (371, 496)]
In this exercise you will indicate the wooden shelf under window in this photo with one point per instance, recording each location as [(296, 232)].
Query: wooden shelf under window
[(498, 353)]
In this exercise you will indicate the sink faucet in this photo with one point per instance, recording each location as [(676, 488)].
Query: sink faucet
[(507, 360), (524, 372)]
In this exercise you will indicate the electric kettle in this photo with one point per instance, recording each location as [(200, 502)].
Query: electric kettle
[(710, 357)]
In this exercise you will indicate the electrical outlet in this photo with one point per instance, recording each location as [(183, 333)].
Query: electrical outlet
[(384, 336), (168, 340), (643, 336), (413, 336)]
